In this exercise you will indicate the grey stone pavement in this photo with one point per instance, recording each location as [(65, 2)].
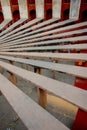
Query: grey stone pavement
[(62, 110)]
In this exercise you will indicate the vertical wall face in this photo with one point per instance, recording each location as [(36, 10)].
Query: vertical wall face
[(6, 8), (39, 8), (75, 9), (56, 7), (14, 2), (23, 9)]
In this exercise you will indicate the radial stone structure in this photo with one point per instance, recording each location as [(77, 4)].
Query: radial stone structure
[(47, 34)]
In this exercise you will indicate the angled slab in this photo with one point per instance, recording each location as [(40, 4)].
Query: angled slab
[(69, 69), (48, 55), (65, 91), (35, 117)]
